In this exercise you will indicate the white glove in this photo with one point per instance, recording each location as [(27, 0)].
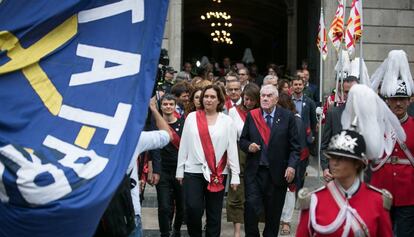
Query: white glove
[(319, 111)]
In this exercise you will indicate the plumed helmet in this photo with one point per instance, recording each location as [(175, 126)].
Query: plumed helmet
[(394, 76), (347, 143)]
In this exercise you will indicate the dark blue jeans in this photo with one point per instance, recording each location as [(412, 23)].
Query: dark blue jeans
[(137, 232), (403, 221)]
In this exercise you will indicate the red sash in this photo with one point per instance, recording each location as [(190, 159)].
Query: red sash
[(176, 139), (216, 178), (177, 115), (304, 153), (261, 125), (242, 113), (228, 104)]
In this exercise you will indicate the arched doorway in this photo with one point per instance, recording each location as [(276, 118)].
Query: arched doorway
[(257, 24)]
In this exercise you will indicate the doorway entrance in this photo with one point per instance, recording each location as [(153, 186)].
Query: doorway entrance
[(277, 31)]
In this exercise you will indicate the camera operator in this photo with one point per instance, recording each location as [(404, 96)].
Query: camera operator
[(168, 80)]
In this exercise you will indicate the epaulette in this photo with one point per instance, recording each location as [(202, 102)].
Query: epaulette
[(304, 197), (386, 196)]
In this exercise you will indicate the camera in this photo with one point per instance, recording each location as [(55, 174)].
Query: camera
[(163, 68)]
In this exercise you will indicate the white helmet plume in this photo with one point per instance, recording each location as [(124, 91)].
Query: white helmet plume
[(393, 70), (354, 71), (345, 67), (375, 121)]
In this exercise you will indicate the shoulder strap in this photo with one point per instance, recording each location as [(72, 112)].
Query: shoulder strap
[(407, 152), (304, 197), (386, 196)]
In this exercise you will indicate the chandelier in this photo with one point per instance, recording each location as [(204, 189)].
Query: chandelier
[(220, 23)]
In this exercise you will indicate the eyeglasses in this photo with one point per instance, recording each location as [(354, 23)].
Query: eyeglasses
[(232, 89)]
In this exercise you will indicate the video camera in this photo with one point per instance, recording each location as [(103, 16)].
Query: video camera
[(163, 67)]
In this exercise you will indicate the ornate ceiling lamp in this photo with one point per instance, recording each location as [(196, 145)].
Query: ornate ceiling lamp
[(220, 23)]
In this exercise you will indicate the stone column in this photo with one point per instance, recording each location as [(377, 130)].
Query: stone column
[(292, 34), (173, 33)]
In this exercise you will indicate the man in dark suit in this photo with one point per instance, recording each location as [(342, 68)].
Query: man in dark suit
[(306, 108), (311, 90), (270, 139), (333, 125)]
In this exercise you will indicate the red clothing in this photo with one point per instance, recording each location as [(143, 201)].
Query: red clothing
[(228, 104), (398, 179), (330, 101), (366, 201)]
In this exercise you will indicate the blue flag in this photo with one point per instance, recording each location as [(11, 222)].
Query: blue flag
[(75, 80)]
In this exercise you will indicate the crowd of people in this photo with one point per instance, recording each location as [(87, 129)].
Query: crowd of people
[(235, 132)]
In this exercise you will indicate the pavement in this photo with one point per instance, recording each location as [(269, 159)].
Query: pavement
[(150, 218)]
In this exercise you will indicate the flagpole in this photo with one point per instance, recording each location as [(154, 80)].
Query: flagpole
[(340, 79), (341, 62), (360, 45), (320, 99)]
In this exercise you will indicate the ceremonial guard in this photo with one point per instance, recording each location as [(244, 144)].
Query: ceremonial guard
[(395, 172), (346, 206)]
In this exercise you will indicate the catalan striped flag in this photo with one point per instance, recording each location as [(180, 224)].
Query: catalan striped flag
[(321, 40), (354, 27), (336, 30)]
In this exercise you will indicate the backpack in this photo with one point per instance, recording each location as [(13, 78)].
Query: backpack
[(118, 219)]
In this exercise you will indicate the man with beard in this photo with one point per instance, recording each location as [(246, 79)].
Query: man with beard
[(305, 107)]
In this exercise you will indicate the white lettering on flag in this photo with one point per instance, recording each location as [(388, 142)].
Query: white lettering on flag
[(29, 171), (115, 124), (3, 194), (128, 65), (95, 164), (135, 6)]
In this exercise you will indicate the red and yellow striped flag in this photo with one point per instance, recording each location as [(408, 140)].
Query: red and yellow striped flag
[(354, 27), (321, 40), (336, 30)]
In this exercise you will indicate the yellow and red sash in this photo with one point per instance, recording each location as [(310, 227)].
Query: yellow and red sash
[(261, 125), (216, 177)]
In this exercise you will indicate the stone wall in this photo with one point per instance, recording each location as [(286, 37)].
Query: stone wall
[(388, 25), (172, 40)]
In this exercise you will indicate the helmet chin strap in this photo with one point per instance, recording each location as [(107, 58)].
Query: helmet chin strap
[(354, 124)]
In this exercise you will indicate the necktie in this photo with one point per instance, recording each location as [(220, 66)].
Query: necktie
[(269, 120), (234, 104)]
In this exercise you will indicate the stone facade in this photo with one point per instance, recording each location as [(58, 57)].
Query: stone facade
[(388, 25), (172, 40)]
